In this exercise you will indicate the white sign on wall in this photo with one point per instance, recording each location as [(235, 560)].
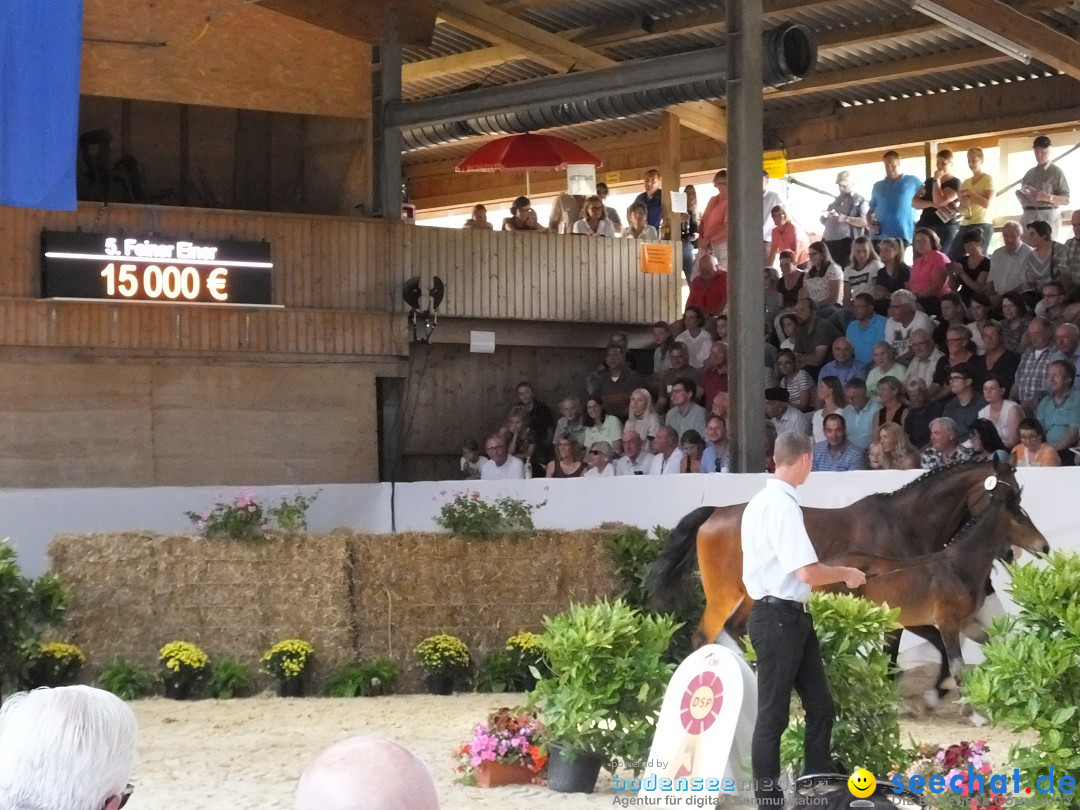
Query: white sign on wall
[(581, 179), (482, 342)]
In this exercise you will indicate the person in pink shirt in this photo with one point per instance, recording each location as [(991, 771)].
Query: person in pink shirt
[(930, 271), (787, 235), (712, 227)]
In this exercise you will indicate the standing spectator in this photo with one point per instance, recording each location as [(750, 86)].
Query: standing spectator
[(667, 457), (895, 449), (696, 340), (903, 320), (945, 447), (501, 465), (894, 274), (862, 270), (929, 271), (641, 417), (570, 423), (471, 460), (601, 426), (1004, 414), (885, 365), (565, 212), (859, 414), (688, 230), (709, 288), (635, 460), (999, 361), (637, 226), (844, 366), (836, 453), (865, 330), (567, 462), (964, 405), (1007, 262), (830, 396), (786, 235), (594, 220), (1033, 451), (716, 457), (839, 230), (478, 221), (612, 214), (1044, 189), (713, 236), (599, 461), (976, 195), (939, 201), (618, 382), (652, 198), (769, 200), (922, 411), (1071, 275), (1059, 410), (890, 215), (1031, 376)]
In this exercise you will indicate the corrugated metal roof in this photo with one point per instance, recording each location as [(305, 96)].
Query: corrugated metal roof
[(447, 40), (507, 73)]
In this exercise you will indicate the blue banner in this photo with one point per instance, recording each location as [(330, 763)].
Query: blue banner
[(40, 50)]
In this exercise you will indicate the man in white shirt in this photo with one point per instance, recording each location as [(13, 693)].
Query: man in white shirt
[(635, 459), (783, 416), (501, 466), (1006, 263), (903, 320), (668, 455), (779, 568), (924, 360)]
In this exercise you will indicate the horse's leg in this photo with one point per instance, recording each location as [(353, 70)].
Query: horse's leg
[(720, 561), (892, 647), (950, 636), (930, 633)]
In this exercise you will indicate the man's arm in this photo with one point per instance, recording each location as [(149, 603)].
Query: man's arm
[(816, 574), (814, 357)]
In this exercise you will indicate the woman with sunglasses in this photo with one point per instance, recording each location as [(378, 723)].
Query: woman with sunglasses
[(600, 466)]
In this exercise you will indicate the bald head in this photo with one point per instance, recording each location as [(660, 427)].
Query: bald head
[(366, 773)]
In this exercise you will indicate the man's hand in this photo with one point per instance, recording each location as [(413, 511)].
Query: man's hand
[(854, 578)]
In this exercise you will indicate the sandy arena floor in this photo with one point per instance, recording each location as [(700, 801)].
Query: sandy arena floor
[(248, 754)]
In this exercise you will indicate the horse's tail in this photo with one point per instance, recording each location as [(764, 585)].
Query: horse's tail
[(666, 579)]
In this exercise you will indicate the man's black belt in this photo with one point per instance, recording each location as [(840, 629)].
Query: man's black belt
[(788, 603)]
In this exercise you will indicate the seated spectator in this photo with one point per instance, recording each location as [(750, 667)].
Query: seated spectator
[(1031, 377), (1067, 345), (1051, 305), (599, 460), (570, 423), (720, 405), (541, 419), (874, 458), (522, 217), (813, 339), (709, 288), (970, 273), (945, 447), (1014, 321), (885, 365), (67, 748), (667, 456), (789, 287), (714, 376), (798, 384), (618, 382), (567, 462), (1046, 261), (788, 327), (478, 221), (922, 410), (612, 214), (824, 281), (594, 220), (860, 274), (961, 352), (890, 395), (680, 367), (601, 426), (952, 314), (1004, 414), (784, 417), (685, 414), (864, 331), (520, 440), (859, 414), (566, 212), (1059, 410), (929, 271), (1033, 451), (366, 773), (985, 441), (786, 235), (836, 453), (1007, 262), (966, 401), (843, 366), (999, 361), (501, 465), (980, 308), (894, 275), (635, 460), (716, 457), (693, 446), (903, 320), (830, 398), (471, 460), (894, 449), (696, 340), (925, 357), (642, 419), (637, 226), (664, 340)]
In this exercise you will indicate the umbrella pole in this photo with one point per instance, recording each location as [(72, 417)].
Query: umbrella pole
[(528, 188)]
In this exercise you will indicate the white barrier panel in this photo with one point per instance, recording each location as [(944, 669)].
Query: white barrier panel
[(32, 517)]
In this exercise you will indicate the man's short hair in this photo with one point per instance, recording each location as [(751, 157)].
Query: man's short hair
[(865, 297), (892, 154), (776, 394), (790, 447), (856, 383), (953, 298), (688, 384), (786, 254), (949, 424), (1067, 367), (836, 417), (366, 773), (68, 748), (962, 369), (1043, 229), (497, 437), (903, 297), (1042, 142)]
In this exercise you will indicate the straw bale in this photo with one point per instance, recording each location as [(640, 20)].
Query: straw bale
[(134, 592)]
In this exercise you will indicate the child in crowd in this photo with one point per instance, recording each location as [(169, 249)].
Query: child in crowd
[(471, 460)]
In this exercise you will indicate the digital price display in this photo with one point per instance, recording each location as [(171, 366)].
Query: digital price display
[(177, 271)]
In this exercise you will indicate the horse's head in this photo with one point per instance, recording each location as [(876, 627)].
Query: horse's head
[(1019, 530)]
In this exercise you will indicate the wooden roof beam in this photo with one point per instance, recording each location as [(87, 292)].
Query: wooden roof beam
[(368, 21)]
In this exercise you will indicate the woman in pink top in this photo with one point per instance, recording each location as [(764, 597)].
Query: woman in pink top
[(712, 227), (787, 235), (930, 271)]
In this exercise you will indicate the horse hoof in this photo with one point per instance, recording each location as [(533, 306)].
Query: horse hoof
[(948, 684), (977, 720), (930, 696)]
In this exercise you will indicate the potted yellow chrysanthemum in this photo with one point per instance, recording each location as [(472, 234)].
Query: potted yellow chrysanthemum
[(444, 659), (183, 666), (288, 662)]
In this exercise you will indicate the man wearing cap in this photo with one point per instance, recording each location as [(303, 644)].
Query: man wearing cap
[(890, 213), (1044, 189), (903, 320), (783, 416), (847, 208), (779, 568)]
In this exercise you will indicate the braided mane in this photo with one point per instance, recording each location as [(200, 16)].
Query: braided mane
[(931, 474)]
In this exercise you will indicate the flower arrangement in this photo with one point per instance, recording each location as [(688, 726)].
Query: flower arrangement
[(443, 654), (508, 738), (288, 660), (953, 763), (54, 663), (469, 515), (245, 518), (183, 667)]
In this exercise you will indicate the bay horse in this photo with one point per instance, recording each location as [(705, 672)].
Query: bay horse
[(920, 517), (946, 588)]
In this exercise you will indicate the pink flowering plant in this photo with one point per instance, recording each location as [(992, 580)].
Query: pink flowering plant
[(246, 518), (467, 514), (506, 737), (955, 763)]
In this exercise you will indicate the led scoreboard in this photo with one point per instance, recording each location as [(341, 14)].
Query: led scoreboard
[(115, 267)]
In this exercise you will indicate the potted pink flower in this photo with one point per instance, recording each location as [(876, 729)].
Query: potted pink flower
[(509, 749)]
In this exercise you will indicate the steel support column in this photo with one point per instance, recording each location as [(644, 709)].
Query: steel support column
[(387, 138)]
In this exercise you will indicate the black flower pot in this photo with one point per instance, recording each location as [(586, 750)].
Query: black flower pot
[(290, 687), (440, 683), (572, 771), (178, 690)]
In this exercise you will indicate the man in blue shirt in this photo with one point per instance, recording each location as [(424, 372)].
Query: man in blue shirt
[(891, 214), (859, 414), (867, 329), (1059, 410), (843, 366), (652, 198), (836, 453)]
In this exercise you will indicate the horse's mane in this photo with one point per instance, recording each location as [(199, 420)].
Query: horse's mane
[(922, 479)]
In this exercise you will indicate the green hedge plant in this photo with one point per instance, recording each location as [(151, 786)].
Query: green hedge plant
[(229, 679), (126, 680), (27, 608)]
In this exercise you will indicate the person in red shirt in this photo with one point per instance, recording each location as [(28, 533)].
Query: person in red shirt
[(712, 227), (787, 235), (708, 290)]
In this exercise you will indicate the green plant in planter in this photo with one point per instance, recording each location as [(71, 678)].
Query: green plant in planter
[(1031, 677), (126, 680), (53, 664), (288, 660), (866, 733), (361, 680), (183, 668), (608, 676), (229, 679), (27, 608), (246, 518)]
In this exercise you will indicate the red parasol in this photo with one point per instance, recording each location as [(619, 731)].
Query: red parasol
[(527, 152)]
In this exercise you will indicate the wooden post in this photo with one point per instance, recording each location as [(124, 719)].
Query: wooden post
[(930, 150), (671, 171)]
